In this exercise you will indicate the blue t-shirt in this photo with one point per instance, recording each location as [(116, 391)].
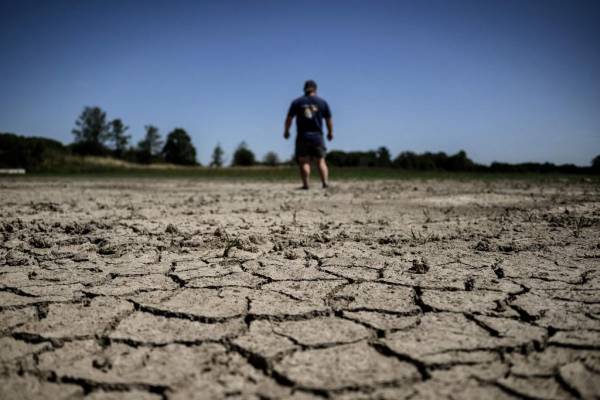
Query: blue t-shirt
[(309, 112)]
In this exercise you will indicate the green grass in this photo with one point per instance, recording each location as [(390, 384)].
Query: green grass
[(291, 174), (90, 167)]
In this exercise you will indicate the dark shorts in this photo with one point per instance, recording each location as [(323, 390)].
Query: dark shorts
[(312, 149)]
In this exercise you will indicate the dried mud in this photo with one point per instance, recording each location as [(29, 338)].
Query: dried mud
[(176, 289)]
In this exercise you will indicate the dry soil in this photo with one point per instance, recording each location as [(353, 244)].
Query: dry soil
[(181, 289)]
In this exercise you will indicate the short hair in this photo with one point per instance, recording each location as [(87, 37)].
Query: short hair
[(310, 86)]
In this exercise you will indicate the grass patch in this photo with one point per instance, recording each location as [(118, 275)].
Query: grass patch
[(77, 167), (291, 174)]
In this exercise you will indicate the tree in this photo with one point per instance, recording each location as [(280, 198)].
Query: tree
[(91, 132), (179, 149), (596, 163), (271, 159), (217, 156), (437, 161), (149, 148), (339, 158), (30, 153), (410, 160), (383, 157), (459, 162), (243, 156), (118, 137)]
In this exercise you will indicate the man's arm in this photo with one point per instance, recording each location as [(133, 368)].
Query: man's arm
[(287, 125), (329, 123)]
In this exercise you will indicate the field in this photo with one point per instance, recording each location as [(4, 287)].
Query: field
[(187, 288)]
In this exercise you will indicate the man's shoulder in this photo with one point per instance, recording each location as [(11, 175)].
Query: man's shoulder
[(320, 100), (308, 100), (299, 100)]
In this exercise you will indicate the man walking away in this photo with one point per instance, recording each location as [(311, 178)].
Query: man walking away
[(309, 111)]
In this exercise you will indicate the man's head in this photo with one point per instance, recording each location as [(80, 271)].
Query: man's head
[(310, 86)]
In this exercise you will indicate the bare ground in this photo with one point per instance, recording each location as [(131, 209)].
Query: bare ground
[(390, 290)]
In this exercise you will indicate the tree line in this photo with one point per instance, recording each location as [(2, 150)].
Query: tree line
[(94, 134), (441, 161)]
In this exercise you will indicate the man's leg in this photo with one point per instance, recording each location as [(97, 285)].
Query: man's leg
[(304, 164), (323, 171)]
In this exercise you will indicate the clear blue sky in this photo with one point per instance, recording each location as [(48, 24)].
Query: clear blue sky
[(504, 80)]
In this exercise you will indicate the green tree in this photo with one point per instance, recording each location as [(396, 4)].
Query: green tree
[(383, 157), (150, 147), (271, 159), (117, 136), (179, 149), (217, 156), (596, 163), (31, 153), (91, 132), (243, 156), (459, 162)]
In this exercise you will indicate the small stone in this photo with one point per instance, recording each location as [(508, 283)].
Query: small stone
[(483, 245), (172, 229), (80, 257), (419, 267)]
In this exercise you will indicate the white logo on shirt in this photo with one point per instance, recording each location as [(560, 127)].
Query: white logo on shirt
[(309, 110)]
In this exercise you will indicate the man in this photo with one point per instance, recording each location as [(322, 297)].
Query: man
[(309, 111)]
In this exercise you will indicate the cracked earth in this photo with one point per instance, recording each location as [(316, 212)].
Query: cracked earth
[(183, 289)]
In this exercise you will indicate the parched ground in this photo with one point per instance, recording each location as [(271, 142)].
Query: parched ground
[(183, 289)]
